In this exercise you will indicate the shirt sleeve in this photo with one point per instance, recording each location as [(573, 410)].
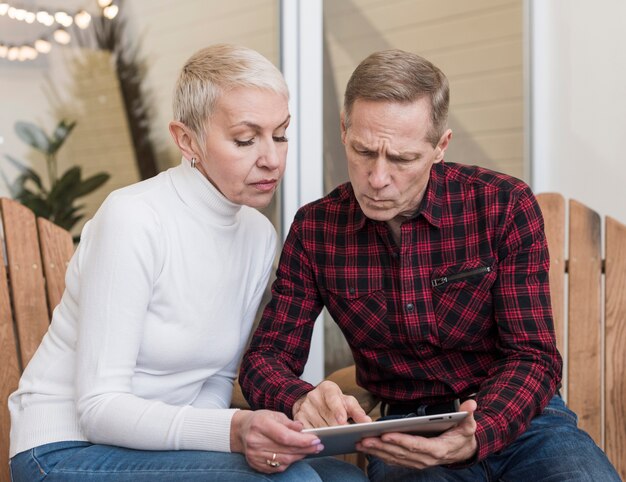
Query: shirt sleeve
[(280, 346), (119, 261), (522, 382)]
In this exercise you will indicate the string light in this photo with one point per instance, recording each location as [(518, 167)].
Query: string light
[(30, 51), (64, 19), (43, 46), (61, 36), (111, 11), (45, 18), (82, 19)]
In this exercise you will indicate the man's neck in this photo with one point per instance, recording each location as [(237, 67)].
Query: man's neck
[(395, 226)]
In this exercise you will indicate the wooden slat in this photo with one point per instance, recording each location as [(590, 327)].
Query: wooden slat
[(615, 312), (585, 366), (57, 248), (9, 368), (553, 209), (25, 275)]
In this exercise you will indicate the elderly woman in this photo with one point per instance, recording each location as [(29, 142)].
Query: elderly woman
[(133, 380)]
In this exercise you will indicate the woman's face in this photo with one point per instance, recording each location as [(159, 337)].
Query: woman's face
[(246, 145)]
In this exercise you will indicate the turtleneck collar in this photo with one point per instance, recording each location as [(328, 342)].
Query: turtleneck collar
[(199, 194)]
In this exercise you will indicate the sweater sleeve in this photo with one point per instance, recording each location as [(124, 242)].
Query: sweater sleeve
[(120, 258)]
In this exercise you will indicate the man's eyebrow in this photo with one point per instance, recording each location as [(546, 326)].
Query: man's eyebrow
[(404, 155)]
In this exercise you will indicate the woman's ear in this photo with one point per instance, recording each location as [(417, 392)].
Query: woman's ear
[(184, 140)]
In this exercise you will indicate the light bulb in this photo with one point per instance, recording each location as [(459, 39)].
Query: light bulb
[(61, 36), (104, 3), (82, 19), (64, 19), (43, 46), (4, 50), (4, 8), (27, 53), (111, 11), (13, 53), (20, 14)]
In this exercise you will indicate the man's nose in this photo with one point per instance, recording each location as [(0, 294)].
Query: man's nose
[(379, 175)]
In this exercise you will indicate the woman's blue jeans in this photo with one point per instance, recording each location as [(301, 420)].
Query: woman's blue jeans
[(552, 449), (85, 462)]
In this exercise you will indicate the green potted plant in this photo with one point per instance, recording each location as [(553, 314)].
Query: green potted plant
[(56, 198)]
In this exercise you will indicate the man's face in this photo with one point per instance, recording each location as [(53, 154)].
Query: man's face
[(389, 158)]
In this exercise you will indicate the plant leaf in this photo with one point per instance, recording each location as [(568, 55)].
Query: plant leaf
[(39, 206), (13, 187), (18, 164), (33, 135), (61, 132), (92, 183), (26, 172), (65, 188)]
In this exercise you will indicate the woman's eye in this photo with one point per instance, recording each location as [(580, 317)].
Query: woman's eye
[(280, 139), (239, 143)]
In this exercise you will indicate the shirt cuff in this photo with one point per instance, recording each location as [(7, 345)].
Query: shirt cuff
[(206, 429)]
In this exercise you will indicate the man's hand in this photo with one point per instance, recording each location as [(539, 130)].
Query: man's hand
[(455, 445), (264, 436), (326, 406)]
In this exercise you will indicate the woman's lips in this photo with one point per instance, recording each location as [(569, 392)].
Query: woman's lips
[(265, 185)]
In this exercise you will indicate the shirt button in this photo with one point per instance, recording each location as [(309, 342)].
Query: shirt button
[(410, 307), (351, 291)]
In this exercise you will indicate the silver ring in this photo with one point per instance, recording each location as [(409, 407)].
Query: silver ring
[(273, 463)]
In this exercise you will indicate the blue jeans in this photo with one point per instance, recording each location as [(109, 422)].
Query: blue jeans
[(85, 462), (552, 449)]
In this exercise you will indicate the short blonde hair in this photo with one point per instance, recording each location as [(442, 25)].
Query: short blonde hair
[(214, 70), (398, 76)]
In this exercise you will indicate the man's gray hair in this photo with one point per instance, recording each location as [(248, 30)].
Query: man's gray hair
[(399, 76)]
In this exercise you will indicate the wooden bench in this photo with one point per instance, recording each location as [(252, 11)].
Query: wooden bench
[(589, 304), (588, 297), (37, 253)]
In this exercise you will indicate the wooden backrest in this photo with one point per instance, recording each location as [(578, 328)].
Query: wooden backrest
[(589, 304), (32, 280)]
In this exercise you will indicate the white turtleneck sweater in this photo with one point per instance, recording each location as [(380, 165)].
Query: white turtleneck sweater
[(159, 302)]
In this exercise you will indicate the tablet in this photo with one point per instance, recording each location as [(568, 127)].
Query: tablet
[(341, 439)]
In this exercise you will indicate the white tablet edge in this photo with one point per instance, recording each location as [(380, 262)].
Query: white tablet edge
[(340, 439)]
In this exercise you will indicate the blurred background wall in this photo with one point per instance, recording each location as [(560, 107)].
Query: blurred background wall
[(537, 86)]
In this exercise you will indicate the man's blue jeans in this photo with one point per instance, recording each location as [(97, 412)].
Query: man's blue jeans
[(552, 449), (85, 462)]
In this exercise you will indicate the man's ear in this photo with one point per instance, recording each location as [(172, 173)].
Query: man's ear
[(184, 140), (442, 145), (342, 118)]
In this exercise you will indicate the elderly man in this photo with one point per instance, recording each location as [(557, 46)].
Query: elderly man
[(437, 274)]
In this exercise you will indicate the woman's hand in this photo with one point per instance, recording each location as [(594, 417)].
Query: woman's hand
[(270, 440)]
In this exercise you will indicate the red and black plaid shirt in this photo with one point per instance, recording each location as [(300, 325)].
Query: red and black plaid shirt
[(461, 306)]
